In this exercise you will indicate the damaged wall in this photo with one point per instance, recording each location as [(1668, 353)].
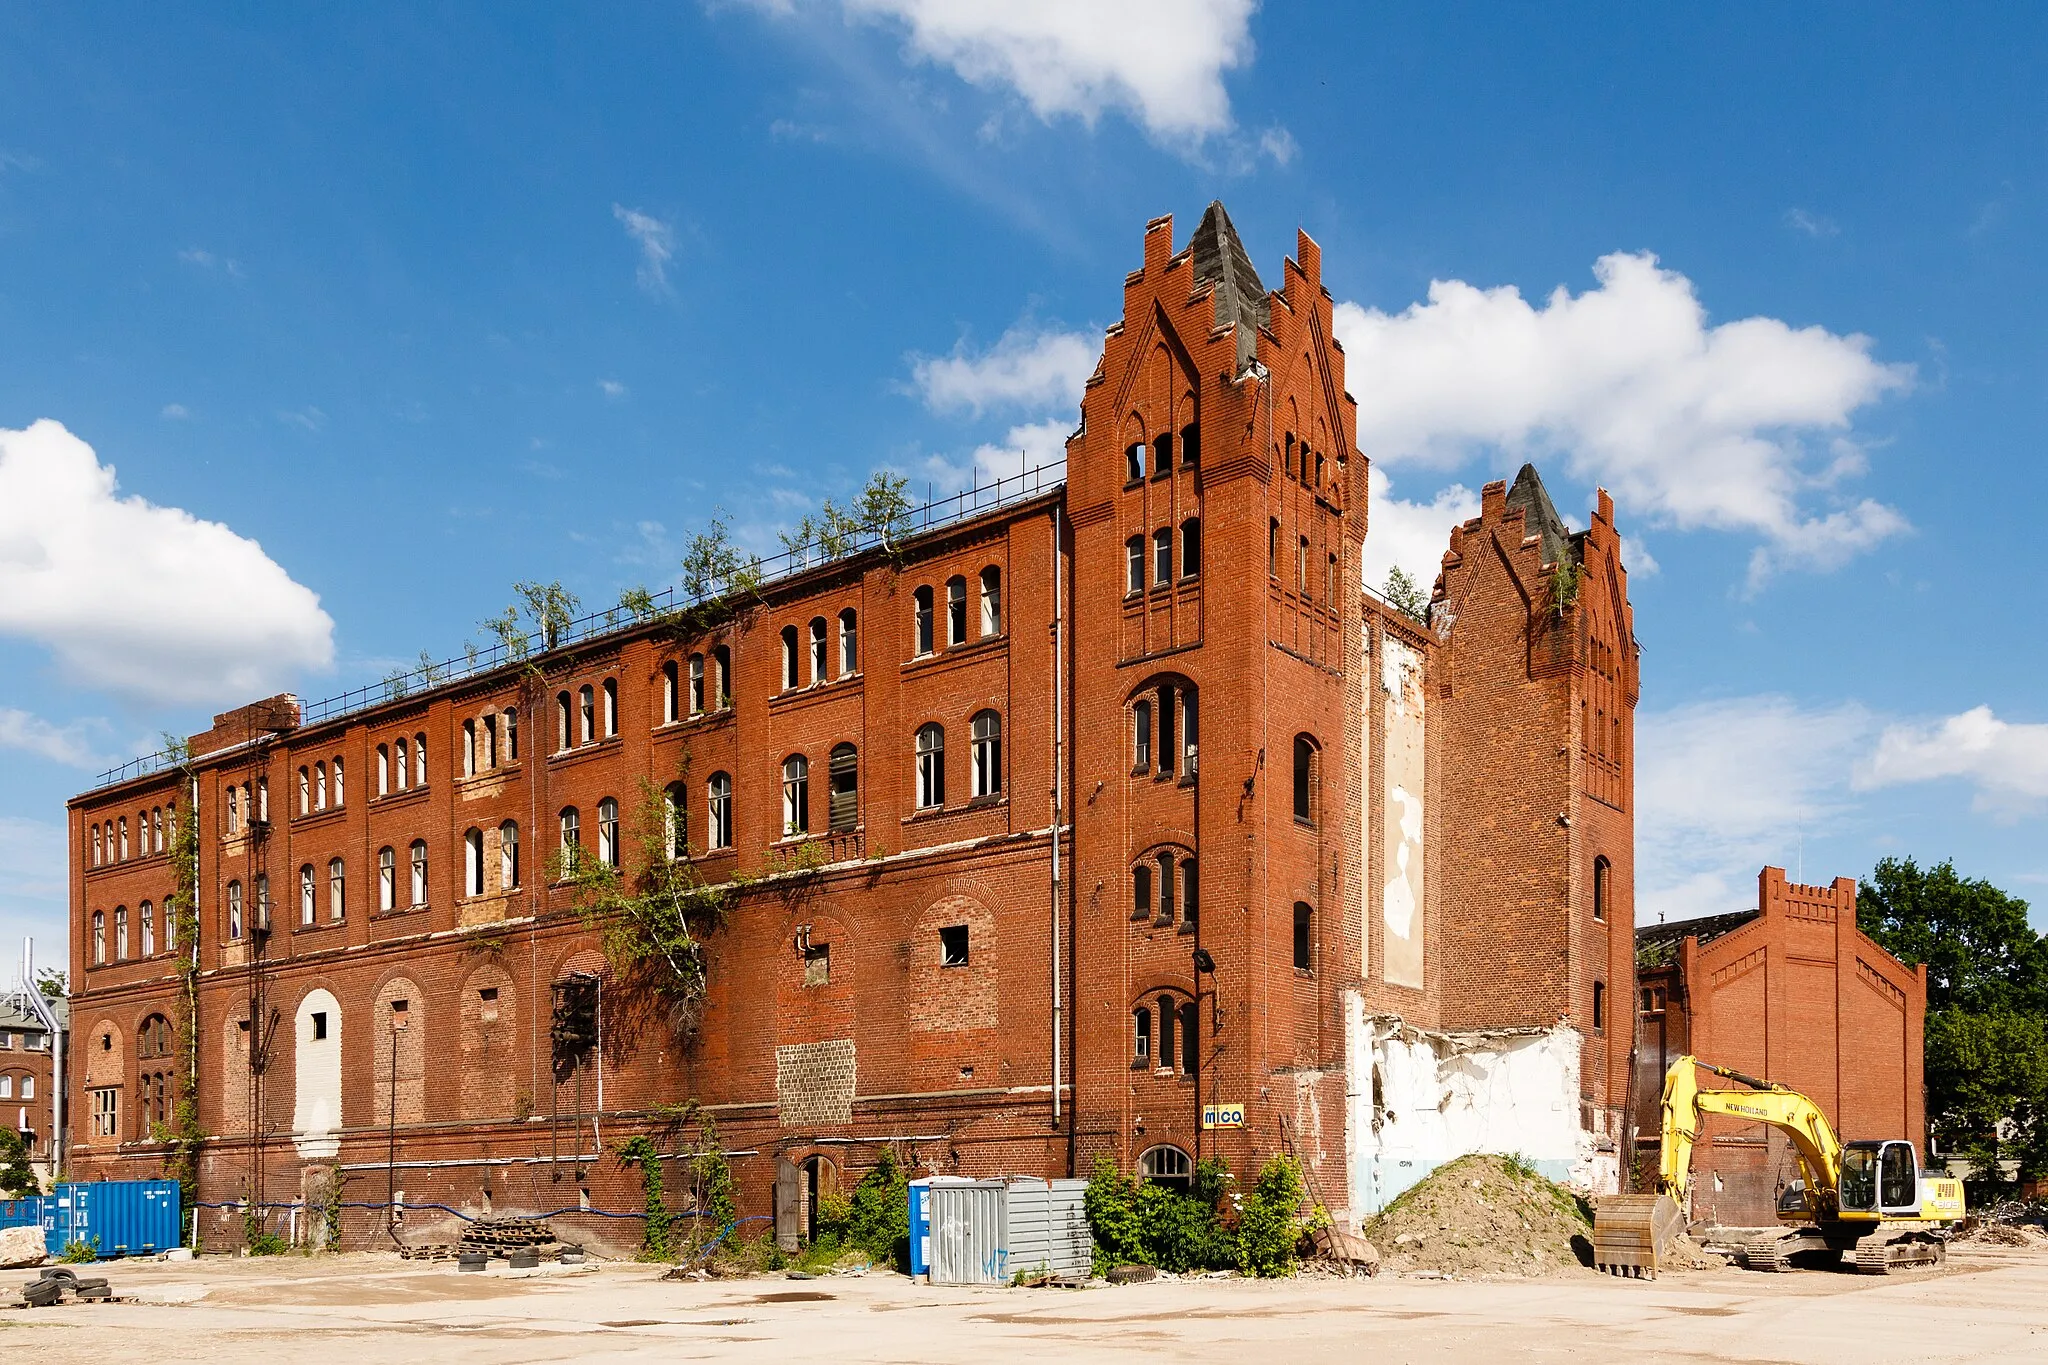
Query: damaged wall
[(1419, 1098), (1402, 897)]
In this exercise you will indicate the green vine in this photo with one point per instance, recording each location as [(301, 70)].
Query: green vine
[(657, 1242), (183, 1135)]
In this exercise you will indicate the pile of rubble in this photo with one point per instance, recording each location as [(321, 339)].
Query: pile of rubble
[(2009, 1223)]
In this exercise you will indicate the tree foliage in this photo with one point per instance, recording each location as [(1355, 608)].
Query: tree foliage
[(1140, 1223), (881, 509), (17, 1181), (1405, 595), (874, 1216)]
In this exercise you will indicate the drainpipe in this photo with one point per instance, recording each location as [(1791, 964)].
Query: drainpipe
[(1058, 803)]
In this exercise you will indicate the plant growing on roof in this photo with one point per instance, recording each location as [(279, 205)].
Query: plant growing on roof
[(716, 572), (880, 509), (1565, 581), (551, 607), (1405, 595)]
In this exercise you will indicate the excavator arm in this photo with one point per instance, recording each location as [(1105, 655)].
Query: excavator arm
[(1766, 1102)]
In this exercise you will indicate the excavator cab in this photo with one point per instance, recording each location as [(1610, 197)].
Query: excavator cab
[(1880, 1180)]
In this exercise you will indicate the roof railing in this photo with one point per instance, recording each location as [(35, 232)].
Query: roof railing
[(475, 660)]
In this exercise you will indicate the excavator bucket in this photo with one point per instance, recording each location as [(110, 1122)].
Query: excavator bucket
[(1633, 1233)]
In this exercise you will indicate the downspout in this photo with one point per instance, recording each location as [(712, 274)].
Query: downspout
[(1058, 754)]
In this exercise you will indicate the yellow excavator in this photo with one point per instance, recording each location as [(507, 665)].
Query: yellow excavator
[(1867, 1198)]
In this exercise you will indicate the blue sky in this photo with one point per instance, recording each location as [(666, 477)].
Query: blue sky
[(372, 314)]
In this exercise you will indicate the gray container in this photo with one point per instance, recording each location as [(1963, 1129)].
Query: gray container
[(985, 1231)]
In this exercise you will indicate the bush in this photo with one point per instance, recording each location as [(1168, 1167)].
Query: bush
[(80, 1253), (875, 1217), (1145, 1224), (1270, 1225)]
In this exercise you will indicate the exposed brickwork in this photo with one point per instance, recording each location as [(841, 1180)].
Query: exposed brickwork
[(1797, 994)]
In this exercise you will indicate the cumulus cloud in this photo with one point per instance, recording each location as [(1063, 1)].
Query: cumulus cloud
[(1413, 535), (1812, 224), (611, 388), (1028, 368), (66, 744), (174, 411), (1160, 61), (1742, 426), (1723, 787), (138, 599), (657, 243), (1028, 446), (2006, 762)]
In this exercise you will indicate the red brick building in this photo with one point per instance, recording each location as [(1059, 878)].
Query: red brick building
[(1793, 992), (30, 1027), (993, 790)]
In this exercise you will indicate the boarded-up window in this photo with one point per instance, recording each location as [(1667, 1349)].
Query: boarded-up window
[(845, 787)]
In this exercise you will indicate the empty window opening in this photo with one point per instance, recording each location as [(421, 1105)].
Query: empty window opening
[(1304, 779), (669, 689), (1602, 872), (1190, 446), (1134, 462), (790, 680), (696, 684), (1141, 735), (953, 946), (931, 766), (849, 642), (956, 610), (1134, 564), (319, 1018), (1162, 453), (991, 601), (1190, 547), (1304, 927), (586, 714), (1141, 892), (821, 666), (1141, 1036), (845, 797), (921, 614), (611, 707), (1599, 1006)]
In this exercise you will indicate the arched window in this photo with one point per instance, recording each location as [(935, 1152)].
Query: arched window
[(1169, 1018), (1162, 556), (1189, 729), (490, 741), (124, 838), (1599, 1006), (1190, 446), (1134, 462), (1273, 548), (789, 660), (845, 795), (931, 767), (696, 684), (1188, 1037), (956, 610), (1304, 936), (849, 642), (153, 1039), (261, 809), (402, 754), (1141, 892), (611, 707), (1166, 888), (1304, 779), (721, 658), (469, 748), (419, 872), (821, 664), (1602, 869), (387, 879), (508, 856), (511, 734), (669, 689), (1301, 566), (308, 902), (319, 785), (571, 821), (120, 933), (262, 891), (472, 862), (608, 831), (99, 926), (921, 616), (586, 714), (305, 790), (339, 797), (991, 601), (383, 770), (1190, 898), (986, 753), (1141, 735), (718, 810), (1141, 1037), (563, 732), (1191, 547), (146, 914), (234, 915), (96, 844), (796, 795), (234, 819), (337, 889), (419, 760), (675, 816), (1162, 453), (1134, 565)]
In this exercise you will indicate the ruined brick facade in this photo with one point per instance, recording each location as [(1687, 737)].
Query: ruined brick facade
[(1369, 824), (1795, 993)]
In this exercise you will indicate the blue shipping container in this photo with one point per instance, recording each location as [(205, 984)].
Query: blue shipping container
[(114, 1217)]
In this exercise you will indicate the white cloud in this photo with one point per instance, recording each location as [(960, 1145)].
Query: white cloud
[(139, 599), (657, 243), (1724, 787), (32, 879), (1028, 446), (207, 260), (611, 388), (2006, 762), (1812, 224), (305, 419), (1026, 369), (174, 411), (1279, 144), (1162, 61), (66, 744), (1691, 425), (1413, 535)]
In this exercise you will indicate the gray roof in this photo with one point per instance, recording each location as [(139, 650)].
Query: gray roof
[(1539, 514), (1219, 255), (1657, 944)]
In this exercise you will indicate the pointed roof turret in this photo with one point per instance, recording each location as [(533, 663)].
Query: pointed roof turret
[(1539, 514), (1219, 255)]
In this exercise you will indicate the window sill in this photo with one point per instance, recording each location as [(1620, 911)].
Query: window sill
[(981, 803), (400, 798), (964, 650), (566, 757), (318, 817), (483, 775), (400, 913)]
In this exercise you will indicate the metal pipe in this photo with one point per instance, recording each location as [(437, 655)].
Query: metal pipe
[(1058, 800)]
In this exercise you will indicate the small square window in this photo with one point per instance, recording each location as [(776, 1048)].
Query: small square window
[(818, 965), (488, 993), (953, 946), (319, 1025)]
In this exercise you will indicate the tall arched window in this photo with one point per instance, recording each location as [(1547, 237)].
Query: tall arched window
[(1304, 779), (1141, 735), (419, 760), (419, 872), (96, 844), (120, 933), (721, 658), (1191, 547), (262, 891), (921, 617), (821, 662), (845, 779), (696, 684), (849, 642), (490, 740), (1190, 446), (99, 926), (387, 879), (472, 862), (991, 601), (571, 821), (337, 889), (339, 797), (124, 838), (1190, 899), (234, 819), (796, 795), (1162, 453), (611, 707), (1134, 565), (1134, 462), (469, 748), (1599, 1006), (586, 714), (1304, 936), (146, 914), (508, 856), (383, 770), (1141, 1037), (1169, 1017), (511, 734), (320, 785), (986, 753), (931, 767), (1273, 548), (608, 831), (1602, 870), (790, 680), (1162, 556), (234, 915), (564, 734), (1166, 865), (1141, 891), (261, 809), (670, 700), (305, 790), (718, 810), (308, 899), (675, 814)]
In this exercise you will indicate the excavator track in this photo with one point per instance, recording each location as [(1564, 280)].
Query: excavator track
[(1910, 1251), (1772, 1255)]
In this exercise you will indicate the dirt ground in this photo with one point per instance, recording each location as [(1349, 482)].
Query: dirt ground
[(1990, 1304)]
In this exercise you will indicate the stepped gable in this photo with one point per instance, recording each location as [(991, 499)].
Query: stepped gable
[(1219, 256)]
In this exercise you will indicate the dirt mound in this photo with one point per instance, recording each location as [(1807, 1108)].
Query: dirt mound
[(1484, 1215)]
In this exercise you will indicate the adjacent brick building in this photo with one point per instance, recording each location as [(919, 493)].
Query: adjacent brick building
[(30, 1029), (1792, 992), (984, 796)]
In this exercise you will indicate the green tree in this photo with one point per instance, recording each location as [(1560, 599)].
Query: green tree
[(1405, 595), (16, 1180)]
